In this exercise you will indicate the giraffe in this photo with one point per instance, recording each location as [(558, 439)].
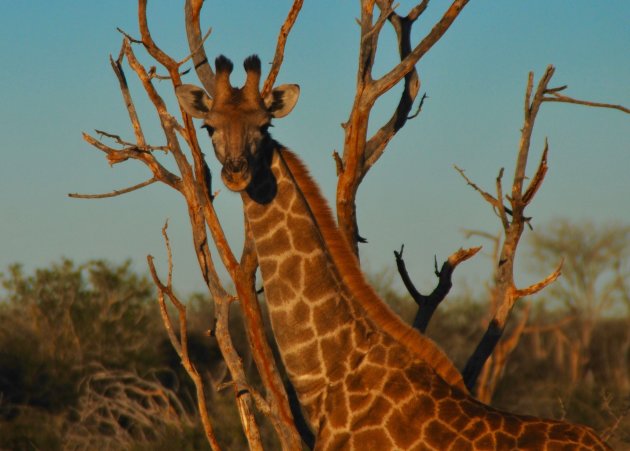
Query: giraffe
[(365, 379)]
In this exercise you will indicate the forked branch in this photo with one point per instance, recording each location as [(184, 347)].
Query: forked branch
[(429, 303), (359, 152), (504, 292), (181, 345)]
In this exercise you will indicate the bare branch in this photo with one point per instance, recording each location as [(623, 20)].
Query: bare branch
[(124, 88), (555, 97), (192, 10), (338, 162), (181, 345), (487, 196), (149, 44), (538, 178), (420, 105), (535, 288), (428, 304), (115, 192), (499, 205), (282, 40), (195, 50), (531, 111), (417, 10), (390, 79), (130, 145)]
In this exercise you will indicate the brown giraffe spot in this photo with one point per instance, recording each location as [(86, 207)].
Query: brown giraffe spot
[(271, 216), (255, 211), (301, 314), (418, 374), (327, 318), (448, 410), (337, 407), (533, 437), (560, 446), (485, 442), (268, 266), (280, 291), (439, 435), (373, 415), (361, 336), (359, 402), (440, 389), (472, 408), (397, 356), (287, 331), (305, 360), (512, 424), (333, 348), (290, 271), (371, 440), (422, 447), (397, 387), (476, 429), (286, 194), (404, 429), (377, 355), (340, 441), (494, 420), (303, 234), (563, 431), (405, 423), (317, 283), (504, 441), (275, 244), (462, 444), (365, 379)]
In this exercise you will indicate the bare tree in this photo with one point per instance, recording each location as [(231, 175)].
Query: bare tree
[(192, 179), (504, 292)]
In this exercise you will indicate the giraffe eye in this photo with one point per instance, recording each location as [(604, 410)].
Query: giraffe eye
[(265, 128), (209, 129)]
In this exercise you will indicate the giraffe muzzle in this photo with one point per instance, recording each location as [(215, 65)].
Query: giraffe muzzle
[(236, 174)]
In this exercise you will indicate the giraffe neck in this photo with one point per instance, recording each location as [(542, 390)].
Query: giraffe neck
[(311, 314), (312, 280)]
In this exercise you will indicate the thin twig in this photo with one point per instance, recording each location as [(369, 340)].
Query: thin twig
[(420, 105), (115, 192), (130, 145), (181, 345), (282, 40), (196, 49), (555, 97)]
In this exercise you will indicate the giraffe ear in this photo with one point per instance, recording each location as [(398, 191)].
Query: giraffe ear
[(193, 100), (282, 99)]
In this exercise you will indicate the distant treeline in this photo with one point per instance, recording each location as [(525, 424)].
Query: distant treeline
[(85, 364)]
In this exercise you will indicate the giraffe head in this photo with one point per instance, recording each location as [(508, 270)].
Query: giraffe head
[(237, 119)]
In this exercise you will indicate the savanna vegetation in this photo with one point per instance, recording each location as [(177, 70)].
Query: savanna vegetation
[(92, 356), (85, 362)]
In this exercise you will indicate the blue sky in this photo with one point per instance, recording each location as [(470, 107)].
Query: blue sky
[(56, 83)]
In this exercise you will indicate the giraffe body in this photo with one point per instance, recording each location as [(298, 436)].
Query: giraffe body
[(364, 379)]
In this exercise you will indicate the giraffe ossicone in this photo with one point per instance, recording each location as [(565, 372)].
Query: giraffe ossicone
[(365, 379)]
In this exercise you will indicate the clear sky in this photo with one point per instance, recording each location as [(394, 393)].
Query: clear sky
[(56, 83)]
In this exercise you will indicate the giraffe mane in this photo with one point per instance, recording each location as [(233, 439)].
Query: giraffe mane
[(351, 274)]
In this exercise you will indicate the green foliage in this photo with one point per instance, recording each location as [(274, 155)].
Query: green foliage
[(82, 362), (85, 362)]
